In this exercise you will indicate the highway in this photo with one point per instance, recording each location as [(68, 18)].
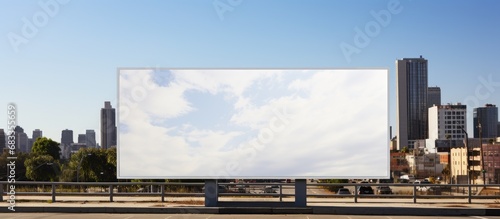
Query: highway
[(208, 216)]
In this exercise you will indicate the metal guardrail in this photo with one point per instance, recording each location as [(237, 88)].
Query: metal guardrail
[(112, 189)]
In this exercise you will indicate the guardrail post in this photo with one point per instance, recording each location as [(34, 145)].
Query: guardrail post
[(1, 192), (355, 194), (469, 198), (162, 189), (110, 193), (281, 192), (300, 193), (53, 193), (414, 193)]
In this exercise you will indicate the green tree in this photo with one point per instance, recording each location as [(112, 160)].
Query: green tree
[(111, 155), (20, 169), (42, 168), (46, 146), (405, 150), (446, 172), (91, 165)]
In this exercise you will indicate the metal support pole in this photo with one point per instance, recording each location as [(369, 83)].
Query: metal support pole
[(110, 193), (300, 193), (469, 196), (162, 189), (281, 192), (211, 193), (355, 193), (414, 193), (1, 191), (53, 193)]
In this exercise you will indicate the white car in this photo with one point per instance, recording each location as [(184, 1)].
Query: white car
[(422, 188)]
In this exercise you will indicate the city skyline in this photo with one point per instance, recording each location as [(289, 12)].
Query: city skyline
[(67, 69)]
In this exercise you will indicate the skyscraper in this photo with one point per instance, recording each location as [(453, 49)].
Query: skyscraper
[(21, 139), (82, 139), (487, 117), (446, 122), (3, 141), (67, 137), (108, 126), (433, 96), (411, 101), (90, 138), (37, 133), (498, 129)]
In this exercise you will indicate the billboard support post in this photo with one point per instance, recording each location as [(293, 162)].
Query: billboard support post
[(300, 193), (211, 193)]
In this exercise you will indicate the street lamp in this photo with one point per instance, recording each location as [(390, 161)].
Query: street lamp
[(43, 164), (79, 166), (48, 164), (468, 158), (482, 151), (449, 157), (435, 161)]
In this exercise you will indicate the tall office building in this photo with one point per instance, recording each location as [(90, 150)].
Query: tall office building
[(3, 142), (498, 130), (411, 101), (82, 139), (90, 138), (37, 133), (21, 139), (433, 96), (487, 117), (67, 137), (446, 122), (108, 126)]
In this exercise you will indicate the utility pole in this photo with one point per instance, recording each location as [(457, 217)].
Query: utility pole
[(482, 151), (449, 157), (468, 155), (435, 161)]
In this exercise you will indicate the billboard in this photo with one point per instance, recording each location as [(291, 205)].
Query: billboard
[(253, 123)]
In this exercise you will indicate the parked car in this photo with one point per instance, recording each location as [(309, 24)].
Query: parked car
[(404, 181), (384, 190), (424, 185), (365, 190), (272, 189), (343, 191), (222, 189)]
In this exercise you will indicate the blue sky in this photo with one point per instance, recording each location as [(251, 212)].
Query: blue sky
[(61, 77)]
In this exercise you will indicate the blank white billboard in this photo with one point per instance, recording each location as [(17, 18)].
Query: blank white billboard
[(253, 123)]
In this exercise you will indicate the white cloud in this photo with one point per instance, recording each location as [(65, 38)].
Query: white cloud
[(327, 123)]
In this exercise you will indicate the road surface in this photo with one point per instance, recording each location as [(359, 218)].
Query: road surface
[(208, 216)]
